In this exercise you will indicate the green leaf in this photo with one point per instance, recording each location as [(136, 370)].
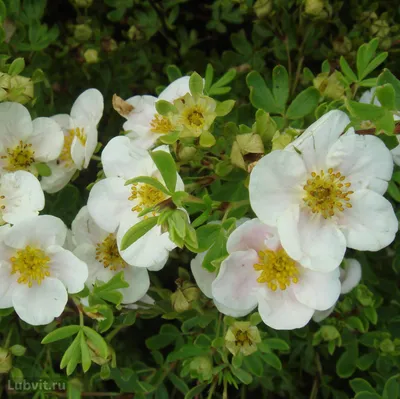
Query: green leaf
[(348, 72), (367, 395), (280, 86), (303, 104), (365, 111), (137, 231), (387, 77), (71, 351), (97, 340), (260, 95), (160, 341), (207, 140), (149, 180), (391, 389), (43, 169), (60, 333), (16, 67), (217, 251), (364, 56), (209, 76), (374, 64), (173, 73), (196, 84), (386, 96), (86, 360), (178, 383), (166, 165), (3, 11), (276, 343), (194, 392), (346, 365), (108, 292), (272, 360), (206, 235), (223, 108), (371, 82), (254, 364), (164, 107), (223, 81), (359, 385), (242, 375)]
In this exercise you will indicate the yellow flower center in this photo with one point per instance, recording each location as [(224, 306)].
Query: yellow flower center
[(242, 337), (20, 157), (194, 117), (146, 195), (277, 269), (107, 253), (65, 155), (31, 264), (161, 124), (327, 193)]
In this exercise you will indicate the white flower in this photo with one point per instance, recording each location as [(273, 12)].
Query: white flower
[(21, 196), (80, 139), (144, 124), (366, 98), (325, 191), (98, 248), (24, 142), (116, 207), (35, 271), (350, 276), (258, 272)]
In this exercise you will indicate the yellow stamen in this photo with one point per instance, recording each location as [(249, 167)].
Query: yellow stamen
[(278, 270), (161, 124), (194, 117), (20, 157), (66, 156), (327, 193), (31, 264), (107, 253), (146, 195)]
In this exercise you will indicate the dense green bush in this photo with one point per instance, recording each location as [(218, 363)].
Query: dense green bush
[(285, 63)]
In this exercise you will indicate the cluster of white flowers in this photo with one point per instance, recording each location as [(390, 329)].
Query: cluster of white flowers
[(319, 195)]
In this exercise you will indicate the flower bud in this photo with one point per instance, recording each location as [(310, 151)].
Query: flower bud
[(281, 140), (329, 86), (263, 8), (380, 28), (242, 337), (134, 33), (16, 88), (387, 346), (187, 153), (82, 32), (183, 297), (91, 56), (364, 295), (342, 45), (314, 7), (5, 361), (201, 367)]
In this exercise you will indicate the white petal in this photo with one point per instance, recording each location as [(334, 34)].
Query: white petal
[(139, 283), (64, 121), (320, 315), (236, 285), (39, 231), (150, 251), (15, 124), (24, 197), (91, 144), (396, 153), (108, 202), (370, 224), (253, 234), (7, 285), (88, 107), (317, 290), (366, 97), (176, 89), (202, 276), (59, 178), (364, 160), (351, 275), (315, 142), (40, 304), (143, 111), (282, 311), (78, 152), (70, 270), (276, 183), (47, 139), (85, 230), (316, 243), (233, 312), (121, 158)]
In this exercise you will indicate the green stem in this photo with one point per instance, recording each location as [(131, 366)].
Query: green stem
[(212, 389)]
